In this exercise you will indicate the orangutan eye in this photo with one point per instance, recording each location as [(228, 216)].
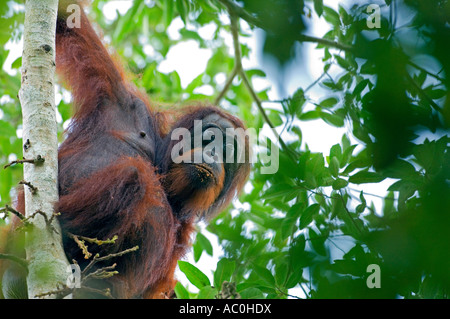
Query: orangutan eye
[(209, 135)]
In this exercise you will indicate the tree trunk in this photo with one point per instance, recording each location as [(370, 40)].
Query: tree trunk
[(44, 250)]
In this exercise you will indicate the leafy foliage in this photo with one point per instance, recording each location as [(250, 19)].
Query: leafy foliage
[(311, 229)]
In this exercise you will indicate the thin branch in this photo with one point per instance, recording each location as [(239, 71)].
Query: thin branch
[(227, 85), (102, 273), (48, 222), (38, 160), (239, 70), (233, 8), (437, 77), (81, 245), (348, 213), (286, 294), (304, 291), (424, 95), (325, 42), (97, 258), (33, 188), (12, 210), (64, 291), (120, 253), (315, 82), (99, 242)]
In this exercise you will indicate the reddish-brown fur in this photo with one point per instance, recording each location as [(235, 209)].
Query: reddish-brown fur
[(108, 188)]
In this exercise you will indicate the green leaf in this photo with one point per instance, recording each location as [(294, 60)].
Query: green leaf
[(339, 183), (360, 208), (275, 118), (207, 292), (400, 169), (364, 177), (279, 190), (181, 291), (308, 215), (193, 274), (332, 119), (318, 7), (224, 271), (182, 10), (294, 277), (342, 62), (317, 242), (251, 293), (360, 87), (330, 102), (347, 155), (264, 274), (168, 12), (331, 16), (17, 63), (336, 151), (205, 243), (310, 115), (334, 166), (297, 101)]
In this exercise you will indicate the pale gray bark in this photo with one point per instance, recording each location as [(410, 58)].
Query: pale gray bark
[(45, 254)]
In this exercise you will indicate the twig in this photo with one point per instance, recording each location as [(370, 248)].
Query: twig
[(97, 258), (348, 213), (64, 291), (304, 291), (286, 294), (239, 70), (102, 273), (80, 240), (48, 222), (227, 85), (15, 212), (81, 245), (33, 189), (38, 160), (315, 82), (120, 253), (59, 292), (437, 77), (99, 241), (424, 95), (242, 13), (325, 42)]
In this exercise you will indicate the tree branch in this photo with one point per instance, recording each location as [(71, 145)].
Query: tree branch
[(39, 159), (12, 210), (233, 8), (424, 95), (238, 70)]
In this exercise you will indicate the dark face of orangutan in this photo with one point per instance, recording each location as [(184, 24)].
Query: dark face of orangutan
[(207, 165)]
